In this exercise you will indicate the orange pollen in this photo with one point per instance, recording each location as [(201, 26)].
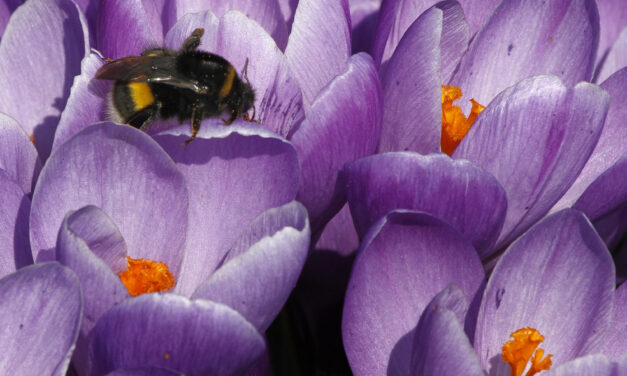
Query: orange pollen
[(455, 125), (144, 276), (32, 138), (520, 350)]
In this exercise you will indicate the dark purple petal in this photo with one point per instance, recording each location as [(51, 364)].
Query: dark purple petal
[(233, 174), (535, 138), (170, 331), (124, 29), (615, 340), (40, 53), (144, 371), (613, 17), (18, 156), (262, 268), (607, 192), (557, 278), (86, 103), (339, 235), (406, 259), (319, 45), (288, 8), (91, 245), (343, 124), (470, 199), (611, 146), (440, 345), (616, 57), (14, 212), (7, 8), (266, 13), (125, 173), (591, 365), (612, 226), (364, 16), (40, 314), (237, 38), (523, 39)]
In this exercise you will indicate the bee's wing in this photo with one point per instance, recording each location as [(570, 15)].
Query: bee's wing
[(154, 69)]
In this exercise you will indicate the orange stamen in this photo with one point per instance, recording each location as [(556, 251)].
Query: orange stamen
[(519, 351), (144, 276), (455, 125)]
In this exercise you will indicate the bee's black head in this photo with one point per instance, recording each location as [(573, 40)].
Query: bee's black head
[(247, 99)]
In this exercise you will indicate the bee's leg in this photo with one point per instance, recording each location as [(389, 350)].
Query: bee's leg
[(196, 119), (234, 115), (193, 41)]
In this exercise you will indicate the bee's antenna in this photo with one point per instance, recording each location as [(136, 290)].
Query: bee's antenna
[(246, 71)]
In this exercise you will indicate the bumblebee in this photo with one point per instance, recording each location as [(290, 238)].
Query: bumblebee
[(164, 83)]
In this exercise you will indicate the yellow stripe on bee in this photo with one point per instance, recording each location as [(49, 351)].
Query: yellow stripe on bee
[(141, 94), (228, 83)]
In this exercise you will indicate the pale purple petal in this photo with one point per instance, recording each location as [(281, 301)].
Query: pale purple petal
[(91, 245), (523, 39), (124, 29), (412, 92), (606, 193), (615, 341), (86, 103), (18, 156), (170, 331), (616, 58), (14, 212), (440, 346), (233, 174), (319, 45), (535, 138), (455, 37), (478, 12), (266, 13), (237, 38), (288, 8), (339, 235), (40, 53), (591, 365), (343, 124), (125, 173), (266, 262), (40, 314), (470, 199), (611, 146), (557, 278), (404, 261), (7, 8), (613, 17)]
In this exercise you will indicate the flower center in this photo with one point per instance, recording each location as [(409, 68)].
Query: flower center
[(143, 276), (519, 351), (455, 125)]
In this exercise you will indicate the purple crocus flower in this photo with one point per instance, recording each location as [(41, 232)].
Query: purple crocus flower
[(41, 308), (409, 257)]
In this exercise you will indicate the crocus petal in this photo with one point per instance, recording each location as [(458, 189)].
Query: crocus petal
[(91, 245), (40, 53), (412, 118), (611, 146), (125, 173), (7, 8), (319, 45), (364, 16), (477, 12), (40, 314), (339, 235), (170, 331), (239, 39), (405, 260), (535, 138), (613, 17), (86, 104), (14, 211), (342, 125), (124, 29), (606, 193), (611, 226), (234, 174), (470, 199), (596, 364), (532, 285), (616, 58), (523, 39), (266, 13), (440, 345), (615, 340), (18, 156), (144, 371), (267, 261)]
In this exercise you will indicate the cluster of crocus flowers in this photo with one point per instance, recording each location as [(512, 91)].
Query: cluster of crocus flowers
[(469, 137)]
